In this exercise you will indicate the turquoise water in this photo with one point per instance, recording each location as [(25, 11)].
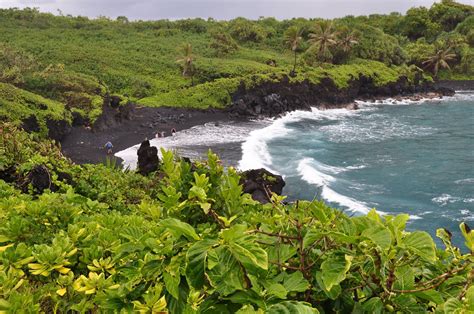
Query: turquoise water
[(397, 157), (415, 158)]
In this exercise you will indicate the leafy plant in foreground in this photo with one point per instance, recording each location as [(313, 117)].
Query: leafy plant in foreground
[(191, 242)]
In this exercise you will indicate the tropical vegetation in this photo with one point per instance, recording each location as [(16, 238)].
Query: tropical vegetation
[(201, 63), (187, 240)]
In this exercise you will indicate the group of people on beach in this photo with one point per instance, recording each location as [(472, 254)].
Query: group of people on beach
[(108, 146), (162, 133)]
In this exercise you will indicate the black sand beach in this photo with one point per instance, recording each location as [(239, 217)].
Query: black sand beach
[(84, 145)]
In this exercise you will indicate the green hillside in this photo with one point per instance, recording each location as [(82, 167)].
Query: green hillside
[(76, 60)]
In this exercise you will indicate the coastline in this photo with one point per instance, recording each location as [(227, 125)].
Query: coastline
[(463, 85), (85, 145)]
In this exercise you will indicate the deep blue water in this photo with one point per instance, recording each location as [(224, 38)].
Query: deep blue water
[(415, 158)]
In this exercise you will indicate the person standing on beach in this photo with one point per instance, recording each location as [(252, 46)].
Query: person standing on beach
[(109, 147)]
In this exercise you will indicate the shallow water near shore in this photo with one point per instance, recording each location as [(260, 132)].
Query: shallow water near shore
[(395, 156)]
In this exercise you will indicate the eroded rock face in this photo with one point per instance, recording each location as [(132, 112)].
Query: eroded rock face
[(272, 99), (113, 113), (260, 183), (58, 129), (148, 160)]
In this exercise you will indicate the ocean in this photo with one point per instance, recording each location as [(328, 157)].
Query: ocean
[(394, 156)]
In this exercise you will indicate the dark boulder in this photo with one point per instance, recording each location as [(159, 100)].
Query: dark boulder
[(58, 129), (9, 174), (115, 101), (39, 178), (78, 119), (148, 160), (445, 91), (260, 183)]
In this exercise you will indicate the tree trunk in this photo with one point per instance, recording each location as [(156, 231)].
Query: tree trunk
[(294, 64)]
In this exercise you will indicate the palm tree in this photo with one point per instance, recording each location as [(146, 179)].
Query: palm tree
[(439, 60), (347, 40), (324, 36), (186, 61), (293, 40)]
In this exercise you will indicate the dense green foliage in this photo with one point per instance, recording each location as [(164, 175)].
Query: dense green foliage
[(187, 240), (16, 104), (77, 60)]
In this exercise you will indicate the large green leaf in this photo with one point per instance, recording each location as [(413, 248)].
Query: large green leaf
[(275, 289), (405, 278), (334, 270), (452, 305), (172, 284), (373, 306), (421, 244), (226, 275), (430, 295), (196, 262), (244, 247), (379, 235), (332, 293), (291, 307), (406, 303), (250, 254), (247, 297), (295, 282), (179, 228)]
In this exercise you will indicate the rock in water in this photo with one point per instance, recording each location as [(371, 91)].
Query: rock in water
[(260, 183), (148, 160)]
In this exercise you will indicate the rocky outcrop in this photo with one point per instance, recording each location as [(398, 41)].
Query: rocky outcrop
[(39, 178), (58, 129), (260, 183), (148, 160), (113, 113), (271, 99), (461, 85)]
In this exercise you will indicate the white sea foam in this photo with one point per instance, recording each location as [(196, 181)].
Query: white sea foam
[(397, 102), (202, 135), (445, 199), (465, 181), (313, 174), (356, 167), (309, 173), (372, 128), (255, 152)]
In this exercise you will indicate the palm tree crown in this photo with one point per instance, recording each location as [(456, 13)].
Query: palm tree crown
[(293, 37), (347, 40), (186, 61), (293, 40), (324, 36), (439, 60)]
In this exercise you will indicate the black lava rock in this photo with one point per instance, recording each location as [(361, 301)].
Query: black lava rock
[(260, 183), (148, 160)]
